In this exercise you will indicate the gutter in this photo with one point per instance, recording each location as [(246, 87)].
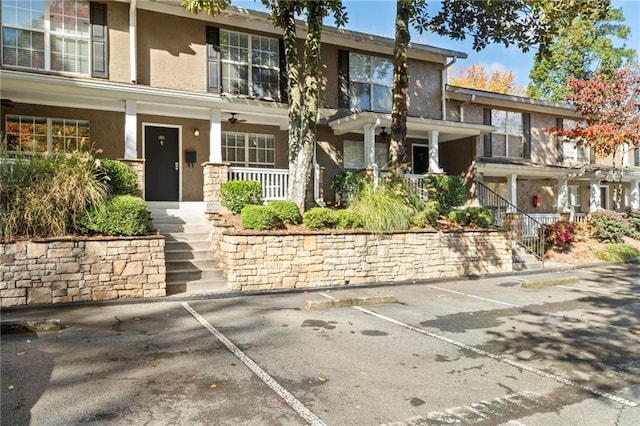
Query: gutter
[(444, 86)]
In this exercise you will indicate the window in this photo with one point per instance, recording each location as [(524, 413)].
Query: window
[(371, 79), (508, 140), (248, 149), (46, 135), (46, 35), (250, 65), (354, 156), (575, 199), (570, 149)]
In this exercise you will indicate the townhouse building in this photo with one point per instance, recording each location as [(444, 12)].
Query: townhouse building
[(174, 94)]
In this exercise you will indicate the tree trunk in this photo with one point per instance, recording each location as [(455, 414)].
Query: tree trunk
[(300, 161), (397, 147)]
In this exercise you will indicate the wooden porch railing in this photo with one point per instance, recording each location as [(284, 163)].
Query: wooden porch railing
[(275, 182)]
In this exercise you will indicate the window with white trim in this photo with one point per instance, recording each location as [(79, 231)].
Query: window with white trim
[(47, 35), (508, 139), (32, 135), (571, 151), (248, 149), (574, 197), (370, 79), (250, 65), (353, 154)]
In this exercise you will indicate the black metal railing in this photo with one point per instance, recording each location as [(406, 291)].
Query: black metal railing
[(526, 231)]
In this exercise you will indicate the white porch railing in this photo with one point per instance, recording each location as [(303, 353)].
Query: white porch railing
[(415, 183), (275, 182)]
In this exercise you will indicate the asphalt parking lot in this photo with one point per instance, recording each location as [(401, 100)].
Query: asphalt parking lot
[(486, 351)]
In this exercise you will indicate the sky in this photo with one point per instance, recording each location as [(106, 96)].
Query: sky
[(377, 17)]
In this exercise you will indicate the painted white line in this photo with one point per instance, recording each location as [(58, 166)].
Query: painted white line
[(557, 378), (293, 402), (475, 297), (593, 290)]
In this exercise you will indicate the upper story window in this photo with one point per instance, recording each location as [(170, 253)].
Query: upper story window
[(250, 65), (55, 35), (32, 135), (508, 139), (248, 149), (364, 82), (571, 151)]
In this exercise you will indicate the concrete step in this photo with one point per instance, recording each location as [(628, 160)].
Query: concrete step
[(186, 237), (190, 254), (200, 286), (191, 265), (527, 266), (175, 228), (172, 245), (196, 275)]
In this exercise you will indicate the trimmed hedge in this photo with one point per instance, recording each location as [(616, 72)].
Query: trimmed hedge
[(347, 219), (120, 178), (287, 211), (236, 194), (121, 215), (608, 227), (319, 218), (259, 218), (427, 218)]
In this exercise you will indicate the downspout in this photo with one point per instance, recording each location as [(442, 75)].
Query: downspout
[(444, 86), (133, 41)]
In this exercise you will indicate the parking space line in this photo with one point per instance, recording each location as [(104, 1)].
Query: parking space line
[(499, 358), (473, 296), (291, 400)]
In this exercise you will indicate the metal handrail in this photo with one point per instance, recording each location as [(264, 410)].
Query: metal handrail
[(529, 232)]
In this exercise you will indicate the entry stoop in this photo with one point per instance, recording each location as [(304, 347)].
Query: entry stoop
[(525, 261), (190, 261)]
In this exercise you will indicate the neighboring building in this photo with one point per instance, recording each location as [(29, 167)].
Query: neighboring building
[(147, 82)]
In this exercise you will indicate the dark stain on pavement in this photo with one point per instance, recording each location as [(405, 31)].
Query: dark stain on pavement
[(416, 402), (317, 324), (463, 321), (374, 333), (117, 327)]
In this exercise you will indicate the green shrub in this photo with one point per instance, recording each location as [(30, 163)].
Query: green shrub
[(120, 215), (427, 218), (560, 235), (347, 184), (45, 196), (348, 219), (120, 178), (259, 218), (384, 209), (319, 218), (608, 227), (617, 252), (236, 194), (477, 216), (633, 219), (449, 191), (287, 211)]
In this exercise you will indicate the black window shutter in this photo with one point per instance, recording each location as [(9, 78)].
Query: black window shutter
[(213, 60), (488, 137), (343, 78), (99, 40), (283, 72), (526, 129), (560, 151), (636, 157)]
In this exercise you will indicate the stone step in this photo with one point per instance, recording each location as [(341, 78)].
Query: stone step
[(196, 275), (200, 286), (186, 237), (185, 227), (190, 254), (172, 245), (527, 266), (191, 265)]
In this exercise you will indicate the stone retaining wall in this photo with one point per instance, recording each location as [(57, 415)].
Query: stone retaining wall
[(72, 269), (275, 261)]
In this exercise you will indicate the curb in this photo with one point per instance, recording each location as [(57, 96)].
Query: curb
[(346, 303), (18, 326), (550, 283)]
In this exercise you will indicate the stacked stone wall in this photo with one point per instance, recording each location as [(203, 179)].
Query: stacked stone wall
[(73, 270), (276, 261)]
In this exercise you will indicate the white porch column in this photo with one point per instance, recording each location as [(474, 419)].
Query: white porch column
[(594, 194), (130, 130), (369, 145), (434, 158), (562, 200), (634, 194), (215, 137), (512, 189)]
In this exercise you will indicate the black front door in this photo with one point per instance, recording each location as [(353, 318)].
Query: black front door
[(162, 165), (420, 159)]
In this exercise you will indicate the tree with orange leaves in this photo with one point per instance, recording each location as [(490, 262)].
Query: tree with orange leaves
[(610, 107), (476, 77)]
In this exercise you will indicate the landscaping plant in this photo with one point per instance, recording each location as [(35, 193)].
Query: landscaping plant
[(236, 194), (286, 211), (120, 178), (608, 227), (347, 184), (319, 218), (561, 235), (449, 191), (120, 215), (259, 218)]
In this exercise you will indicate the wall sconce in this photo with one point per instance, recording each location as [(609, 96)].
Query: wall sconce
[(196, 132)]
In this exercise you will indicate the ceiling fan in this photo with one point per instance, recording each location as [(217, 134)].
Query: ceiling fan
[(234, 120), (383, 133)]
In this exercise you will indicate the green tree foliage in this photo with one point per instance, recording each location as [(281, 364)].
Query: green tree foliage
[(583, 49)]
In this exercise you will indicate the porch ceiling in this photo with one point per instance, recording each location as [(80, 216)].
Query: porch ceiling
[(417, 127), (536, 171)]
